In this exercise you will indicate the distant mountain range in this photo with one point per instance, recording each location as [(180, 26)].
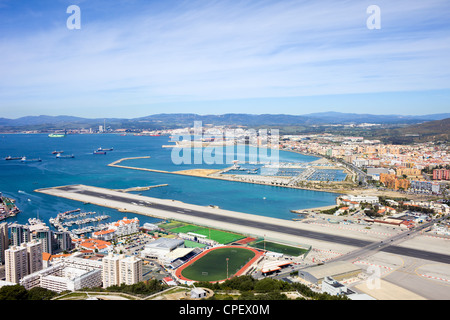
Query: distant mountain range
[(159, 121)]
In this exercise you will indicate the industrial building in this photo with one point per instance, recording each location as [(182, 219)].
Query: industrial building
[(338, 270)]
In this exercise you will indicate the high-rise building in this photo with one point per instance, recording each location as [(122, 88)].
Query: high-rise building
[(110, 270), (23, 260), (19, 234), (16, 266), (63, 241), (130, 270), (118, 269), (4, 241), (34, 256), (46, 237)]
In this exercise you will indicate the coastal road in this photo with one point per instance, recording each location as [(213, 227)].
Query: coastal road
[(189, 211)]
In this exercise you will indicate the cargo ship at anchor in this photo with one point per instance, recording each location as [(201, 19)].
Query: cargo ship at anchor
[(101, 149), (58, 156), (13, 158), (24, 159)]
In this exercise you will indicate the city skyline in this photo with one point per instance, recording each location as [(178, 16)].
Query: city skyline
[(259, 57)]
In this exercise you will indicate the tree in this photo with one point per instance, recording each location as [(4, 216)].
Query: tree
[(16, 292), (38, 293)]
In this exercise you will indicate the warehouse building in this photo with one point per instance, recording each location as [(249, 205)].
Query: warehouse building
[(338, 270)]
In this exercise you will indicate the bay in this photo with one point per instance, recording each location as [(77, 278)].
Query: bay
[(18, 180)]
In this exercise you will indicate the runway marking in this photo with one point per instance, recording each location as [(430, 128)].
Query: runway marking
[(433, 277)]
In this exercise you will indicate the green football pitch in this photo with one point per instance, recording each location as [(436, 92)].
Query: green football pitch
[(279, 248), (213, 266), (222, 237)]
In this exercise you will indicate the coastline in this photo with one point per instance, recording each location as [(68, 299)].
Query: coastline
[(209, 174), (206, 173)]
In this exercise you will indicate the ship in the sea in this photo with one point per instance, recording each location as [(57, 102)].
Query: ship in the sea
[(56, 135), (56, 152), (59, 156), (99, 152), (13, 158), (24, 159), (101, 149)]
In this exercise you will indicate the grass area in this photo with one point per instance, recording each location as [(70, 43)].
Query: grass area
[(193, 244), (222, 237), (213, 266), (279, 248), (170, 225)]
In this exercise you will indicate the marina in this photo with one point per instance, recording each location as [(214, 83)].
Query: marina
[(85, 222)]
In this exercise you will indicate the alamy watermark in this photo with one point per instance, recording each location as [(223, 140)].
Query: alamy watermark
[(226, 146), (374, 20), (74, 20), (373, 282)]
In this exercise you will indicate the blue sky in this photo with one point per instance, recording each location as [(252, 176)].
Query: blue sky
[(134, 58)]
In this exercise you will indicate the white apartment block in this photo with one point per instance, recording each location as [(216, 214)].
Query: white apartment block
[(16, 264), (23, 260), (130, 270), (118, 269), (110, 274), (71, 273), (117, 229)]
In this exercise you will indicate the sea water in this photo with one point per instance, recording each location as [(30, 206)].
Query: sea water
[(18, 180)]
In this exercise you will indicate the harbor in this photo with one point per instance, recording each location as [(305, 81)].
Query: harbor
[(8, 207)]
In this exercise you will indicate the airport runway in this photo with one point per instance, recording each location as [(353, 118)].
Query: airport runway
[(192, 211)]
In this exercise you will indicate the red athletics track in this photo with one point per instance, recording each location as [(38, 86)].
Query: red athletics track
[(255, 258)]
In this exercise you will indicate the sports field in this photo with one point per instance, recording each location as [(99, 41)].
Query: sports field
[(212, 266), (222, 237), (278, 248)]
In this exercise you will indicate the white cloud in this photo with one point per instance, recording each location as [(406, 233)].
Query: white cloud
[(228, 50)]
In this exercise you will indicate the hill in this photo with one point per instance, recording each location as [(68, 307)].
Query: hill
[(292, 123), (435, 131)]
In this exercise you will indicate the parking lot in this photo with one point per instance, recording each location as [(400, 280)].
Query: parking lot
[(133, 244)]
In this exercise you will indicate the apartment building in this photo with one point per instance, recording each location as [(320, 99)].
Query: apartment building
[(71, 273), (130, 270), (4, 241), (19, 234), (118, 269), (110, 274), (392, 182), (23, 260), (441, 174), (409, 172), (117, 229)]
